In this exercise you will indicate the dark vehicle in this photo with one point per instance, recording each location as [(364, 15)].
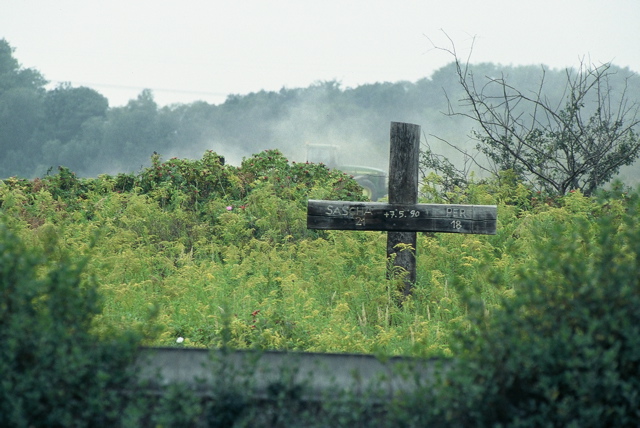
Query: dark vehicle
[(372, 180)]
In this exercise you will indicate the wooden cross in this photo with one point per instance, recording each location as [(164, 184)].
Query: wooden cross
[(402, 216)]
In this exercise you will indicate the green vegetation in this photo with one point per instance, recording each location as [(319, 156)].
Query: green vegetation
[(54, 370), (563, 349), (541, 318), (200, 242)]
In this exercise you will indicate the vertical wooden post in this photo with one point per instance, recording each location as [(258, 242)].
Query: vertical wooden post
[(403, 189)]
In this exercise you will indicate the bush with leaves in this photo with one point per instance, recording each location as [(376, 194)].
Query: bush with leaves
[(189, 182), (565, 349), (297, 181), (55, 372)]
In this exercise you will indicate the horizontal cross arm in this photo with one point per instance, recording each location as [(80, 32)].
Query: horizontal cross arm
[(344, 215)]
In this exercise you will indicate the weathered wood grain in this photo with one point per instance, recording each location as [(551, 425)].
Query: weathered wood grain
[(341, 215), (404, 156)]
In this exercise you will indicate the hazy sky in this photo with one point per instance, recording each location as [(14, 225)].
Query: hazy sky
[(204, 50)]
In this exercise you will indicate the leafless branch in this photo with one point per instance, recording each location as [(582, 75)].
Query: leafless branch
[(579, 141)]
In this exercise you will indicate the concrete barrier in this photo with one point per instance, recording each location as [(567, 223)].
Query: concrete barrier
[(316, 374)]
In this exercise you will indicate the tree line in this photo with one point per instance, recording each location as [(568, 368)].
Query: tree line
[(75, 127)]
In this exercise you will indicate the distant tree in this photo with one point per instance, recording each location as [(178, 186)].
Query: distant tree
[(67, 108), (576, 139), (194, 122), (13, 75), (20, 115), (21, 110), (133, 132)]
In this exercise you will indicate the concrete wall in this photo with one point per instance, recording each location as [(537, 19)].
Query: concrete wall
[(320, 375)]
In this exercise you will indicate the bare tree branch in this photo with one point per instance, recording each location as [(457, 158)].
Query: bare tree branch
[(579, 141)]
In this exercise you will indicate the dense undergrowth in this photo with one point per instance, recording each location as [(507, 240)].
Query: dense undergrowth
[(195, 246), (541, 318)]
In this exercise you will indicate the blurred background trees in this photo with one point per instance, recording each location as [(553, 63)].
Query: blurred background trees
[(556, 131), (577, 137), (574, 131)]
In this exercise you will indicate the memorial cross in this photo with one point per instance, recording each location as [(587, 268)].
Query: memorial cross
[(402, 217)]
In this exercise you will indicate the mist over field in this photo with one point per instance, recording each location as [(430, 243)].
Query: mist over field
[(75, 127)]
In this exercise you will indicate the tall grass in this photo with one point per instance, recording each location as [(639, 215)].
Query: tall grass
[(187, 245)]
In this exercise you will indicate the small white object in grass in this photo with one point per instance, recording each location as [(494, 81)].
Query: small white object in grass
[(180, 339)]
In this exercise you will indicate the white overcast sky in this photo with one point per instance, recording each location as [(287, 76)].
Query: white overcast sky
[(205, 50)]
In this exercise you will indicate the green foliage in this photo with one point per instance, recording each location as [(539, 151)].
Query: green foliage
[(239, 246), (563, 349), (297, 180), (55, 371), (222, 256), (186, 182), (13, 75), (551, 294), (67, 109)]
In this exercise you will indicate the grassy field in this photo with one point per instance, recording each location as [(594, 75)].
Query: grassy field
[(218, 254)]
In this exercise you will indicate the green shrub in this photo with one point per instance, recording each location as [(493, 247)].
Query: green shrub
[(565, 350), (55, 372), (555, 341)]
